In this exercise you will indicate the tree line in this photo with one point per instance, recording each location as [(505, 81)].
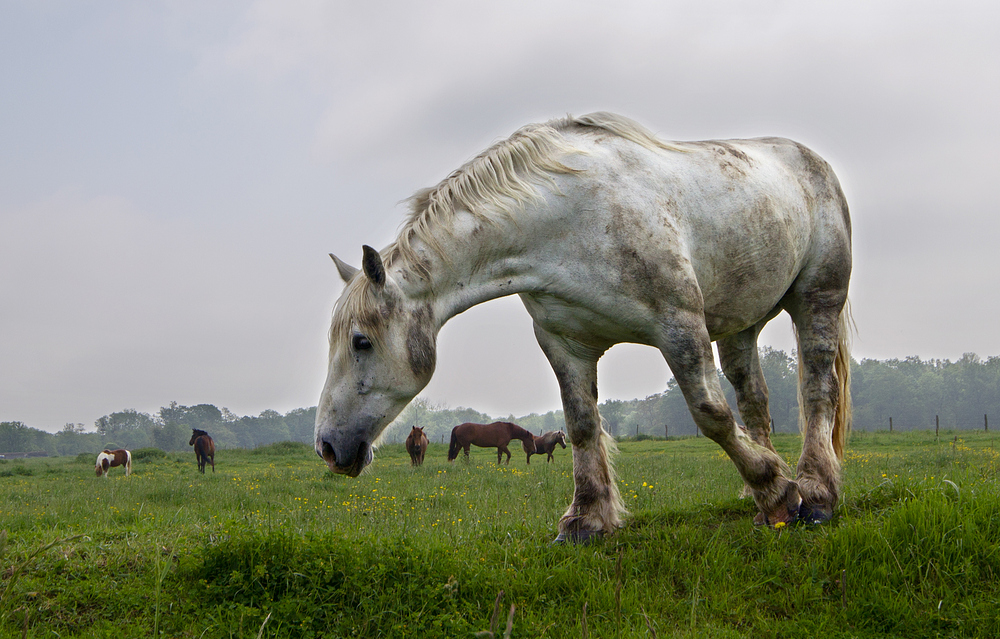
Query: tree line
[(169, 429), (915, 393)]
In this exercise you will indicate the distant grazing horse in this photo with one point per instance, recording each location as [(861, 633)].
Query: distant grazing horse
[(204, 448), (609, 235), (545, 444), (111, 458), (416, 445), (497, 434)]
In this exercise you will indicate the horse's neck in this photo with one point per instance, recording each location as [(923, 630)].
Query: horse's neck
[(476, 261)]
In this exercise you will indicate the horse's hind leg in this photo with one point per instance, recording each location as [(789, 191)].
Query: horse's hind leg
[(597, 506), (820, 339), (688, 351)]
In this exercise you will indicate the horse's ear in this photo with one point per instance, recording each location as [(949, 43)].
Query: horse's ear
[(346, 270), (372, 264)]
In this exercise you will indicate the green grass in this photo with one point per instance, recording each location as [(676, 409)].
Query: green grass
[(272, 545)]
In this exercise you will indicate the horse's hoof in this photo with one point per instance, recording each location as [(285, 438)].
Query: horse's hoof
[(815, 513), (785, 514), (578, 537)]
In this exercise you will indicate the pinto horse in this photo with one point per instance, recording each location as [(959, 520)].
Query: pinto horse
[(497, 434), (107, 459), (545, 444), (204, 449), (609, 235), (416, 445)]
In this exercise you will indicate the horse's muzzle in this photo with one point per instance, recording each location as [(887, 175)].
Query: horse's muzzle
[(350, 465)]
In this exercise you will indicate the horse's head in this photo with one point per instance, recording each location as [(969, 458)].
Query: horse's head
[(382, 353), (561, 438), (103, 463), (195, 434)]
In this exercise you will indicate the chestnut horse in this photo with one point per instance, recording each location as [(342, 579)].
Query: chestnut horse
[(496, 434), (111, 458), (610, 235), (204, 449), (545, 444), (416, 445)]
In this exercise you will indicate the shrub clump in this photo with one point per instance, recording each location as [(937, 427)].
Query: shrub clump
[(16, 469), (282, 448), (148, 453)]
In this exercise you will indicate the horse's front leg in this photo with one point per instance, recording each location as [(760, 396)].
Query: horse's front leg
[(597, 507), (741, 365)]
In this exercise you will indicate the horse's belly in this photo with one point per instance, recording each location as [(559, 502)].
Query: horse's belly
[(599, 321)]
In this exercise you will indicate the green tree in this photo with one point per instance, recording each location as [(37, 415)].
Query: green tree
[(129, 428), (15, 437)]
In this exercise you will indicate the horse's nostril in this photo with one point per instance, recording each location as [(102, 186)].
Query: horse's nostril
[(328, 454)]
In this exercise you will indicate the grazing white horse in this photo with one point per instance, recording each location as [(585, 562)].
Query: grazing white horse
[(610, 235)]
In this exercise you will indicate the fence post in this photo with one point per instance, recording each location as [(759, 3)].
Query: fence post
[(937, 424), (986, 423), (890, 424)]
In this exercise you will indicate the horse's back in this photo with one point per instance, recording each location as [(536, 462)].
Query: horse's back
[(484, 435), (724, 227)]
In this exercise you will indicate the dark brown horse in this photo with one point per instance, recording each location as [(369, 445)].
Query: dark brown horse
[(111, 458), (497, 434), (416, 445), (204, 449), (545, 444)]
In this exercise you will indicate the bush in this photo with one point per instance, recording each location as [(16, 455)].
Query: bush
[(86, 458), (282, 448), (16, 469), (147, 453)]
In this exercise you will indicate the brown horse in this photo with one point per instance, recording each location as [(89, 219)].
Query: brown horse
[(110, 458), (497, 434), (545, 444), (204, 449), (416, 445)]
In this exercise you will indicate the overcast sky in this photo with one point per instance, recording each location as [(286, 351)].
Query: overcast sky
[(173, 175)]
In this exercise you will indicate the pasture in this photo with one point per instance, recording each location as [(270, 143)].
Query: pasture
[(273, 545)]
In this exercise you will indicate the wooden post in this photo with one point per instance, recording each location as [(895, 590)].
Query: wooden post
[(986, 423), (637, 431), (890, 424), (937, 424)]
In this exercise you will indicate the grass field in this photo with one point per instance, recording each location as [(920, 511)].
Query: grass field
[(272, 545)]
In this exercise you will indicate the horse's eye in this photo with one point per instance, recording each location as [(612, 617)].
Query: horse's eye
[(360, 342)]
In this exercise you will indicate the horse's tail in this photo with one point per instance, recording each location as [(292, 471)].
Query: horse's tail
[(453, 447), (842, 369), (842, 372)]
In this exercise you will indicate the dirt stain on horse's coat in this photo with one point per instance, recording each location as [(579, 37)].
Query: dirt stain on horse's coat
[(420, 342)]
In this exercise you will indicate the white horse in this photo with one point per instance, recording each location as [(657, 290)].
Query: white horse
[(610, 235)]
